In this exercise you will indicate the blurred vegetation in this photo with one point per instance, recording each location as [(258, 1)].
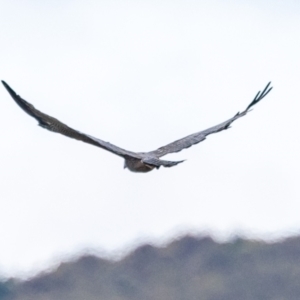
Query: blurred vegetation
[(189, 268)]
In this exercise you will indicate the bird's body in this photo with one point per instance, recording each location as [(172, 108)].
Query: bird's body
[(137, 165), (134, 161)]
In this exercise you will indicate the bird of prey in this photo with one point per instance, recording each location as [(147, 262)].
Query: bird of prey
[(134, 161)]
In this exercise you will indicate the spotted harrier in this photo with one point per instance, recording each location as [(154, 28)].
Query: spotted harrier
[(134, 161)]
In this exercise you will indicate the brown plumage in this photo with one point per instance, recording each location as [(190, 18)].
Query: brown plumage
[(134, 161)]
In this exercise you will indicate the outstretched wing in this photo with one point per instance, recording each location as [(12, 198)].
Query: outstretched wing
[(55, 125), (198, 137)]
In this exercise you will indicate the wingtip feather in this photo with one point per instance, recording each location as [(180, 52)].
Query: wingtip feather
[(260, 95), (4, 83), (8, 88)]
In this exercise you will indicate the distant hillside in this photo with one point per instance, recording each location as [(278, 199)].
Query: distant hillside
[(187, 269)]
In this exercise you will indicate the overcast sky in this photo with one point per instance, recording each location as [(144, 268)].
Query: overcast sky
[(141, 74)]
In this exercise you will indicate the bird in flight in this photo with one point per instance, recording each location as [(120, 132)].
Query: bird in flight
[(134, 161)]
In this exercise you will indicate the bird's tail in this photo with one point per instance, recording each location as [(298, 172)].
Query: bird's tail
[(158, 162)]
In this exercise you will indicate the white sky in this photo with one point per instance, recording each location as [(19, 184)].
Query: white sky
[(141, 74)]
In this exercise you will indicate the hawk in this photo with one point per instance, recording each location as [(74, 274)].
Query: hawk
[(134, 161)]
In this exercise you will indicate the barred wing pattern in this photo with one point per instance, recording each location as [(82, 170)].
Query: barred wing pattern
[(134, 161), (200, 136), (55, 125)]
